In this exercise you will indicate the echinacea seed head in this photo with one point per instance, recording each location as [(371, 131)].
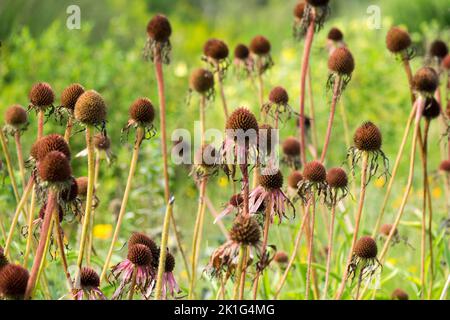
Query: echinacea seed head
[(89, 278), (386, 228), (47, 144), (314, 171), (432, 108), (70, 95), (426, 80), (243, 119), (294, 178), (445, 166), (366, 248), (139, 255), (236, 200), (159, 28), (335, 34), (337, 178), (299, 9), (241, 52), (90, 108), (260, 45), (318, 3), (201, 80), (341, 61), (82, 184), (41, 95), (44, 208), (397, 40), (446, 62), (142, 111), (281, 257), (16, 116), (102, 141), (141, 238), (206, 156), (170, 262), (246, 230), (291, 147), (399, 294), (271, 181), (368, 137), (13, 281), (279, 95), (215, 49), (55, 167), (438, 49)]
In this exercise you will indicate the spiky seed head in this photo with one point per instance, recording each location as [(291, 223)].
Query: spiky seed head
[(47, 144), (426, 80), (366, 248), (337, 178), (432, 108), (70, 95), (271, 181), (291, 147), (446, 62), (170, 262), (16, 116), (314, 171), (82, 184), (70, 194), (89, 278), (206, 156), (279, 95), (141, 238), (399, 294), (41, 95), (243, 119), (159, 28), (294, 178), (44, 208), (318, 3), (241, 51), (397, 40), (368, 137), (341, 61), (142, 111), (260, 45), (246, 230), (265, 136), (102, 142), (386, 228), (335, 34), (201, 80), (13, 281), (445, 166), (438, 49), (299, 9), (215, 49), (3, 259), (90, 108), (55, 167), (281, 257), (236, 200), (140, 255)]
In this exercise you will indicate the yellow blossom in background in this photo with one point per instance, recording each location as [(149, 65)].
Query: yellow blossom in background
[(397, 202), (436, 192), (379, 182), (102, 231), (183, 274), (223, 182), (288, 54), (391, 261), (412, 269), (180, 69)]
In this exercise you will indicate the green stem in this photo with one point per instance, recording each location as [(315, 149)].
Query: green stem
[(240, 266)]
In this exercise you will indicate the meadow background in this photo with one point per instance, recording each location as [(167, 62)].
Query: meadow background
[(106, 55)]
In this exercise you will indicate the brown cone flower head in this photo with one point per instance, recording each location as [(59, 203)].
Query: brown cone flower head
[(236, 200), (314, 171), (89, 278), (399, 294), (90, 108), (426, 80), (41, 95), (16, 116), (215, 49), (82, 184), (170, 263), (102, 142), (397, 40), (335, 35), (366, 248), (279, 95), (368, 137), (142, 111), (438, 49), (271, 181), (281, 257), (432, 108), (159, 28), (386, 228), (70, 95), (201, 80), (294, 178), (141, 238), (246, 230), (140, 255), (341, 61), (337, 178), (260, 45), (291, 147), (47, 144), (55, 167), (13, 281), (243, 119), (241, 52)]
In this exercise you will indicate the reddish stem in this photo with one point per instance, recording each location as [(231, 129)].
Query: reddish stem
[(336, 91)]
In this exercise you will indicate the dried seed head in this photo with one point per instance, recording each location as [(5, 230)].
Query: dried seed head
[(241, 51), (386, 228), (446, 62), (82, 184), (16, 116), (445, 166), (314, 171), (44, 208), (341, 61), (90, 108), (397, 40), (399, 294), (243, 119), (47, 144), (299, 9), (55, 167), (337, 178), (432, 108), (426, 80), (139, 255), (291, 147), (70, 194), (281, 257), (366, 248), (141, 238), (89, 278), (279, 95), (265, 137), (246, 231), (170, 263), (159, 28), (41, 95), (215, 49), (236, 200), (142, 111), (318, 3), (294, 178), (271, 181), (13, 281), (206, 156), (438, 49), (368, 137), (102, 142), (70, 95), (201, 80), (3, 259), (260, 46), (335, 35)]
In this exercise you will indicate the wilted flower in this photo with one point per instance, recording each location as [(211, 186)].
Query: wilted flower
[(90, 283), (234, 204)]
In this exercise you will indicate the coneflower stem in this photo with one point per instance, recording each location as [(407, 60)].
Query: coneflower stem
[(243, 275), (362, 195), (358, 286), (163, 251), (445, 289), (221, 90), (20, 157), (60, 241), (310, 247), (312, 114), (40, 126), (126, 194), (133, 283), (330, 248), (91, 227), (240, 266), (336, 93), (44, 260), (30, 226), (69, 127), (9, 165)]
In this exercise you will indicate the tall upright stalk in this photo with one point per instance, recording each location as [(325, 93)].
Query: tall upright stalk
[(330, 249), (312, 114), (30, 226), (310, 247), (68, 130), (9, 165), (41, 116), (221, 90), (20, 157), (60, 241), (92, 222), (240, 267)]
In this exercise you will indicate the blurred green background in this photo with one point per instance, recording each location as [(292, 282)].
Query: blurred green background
[(106, 55)]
